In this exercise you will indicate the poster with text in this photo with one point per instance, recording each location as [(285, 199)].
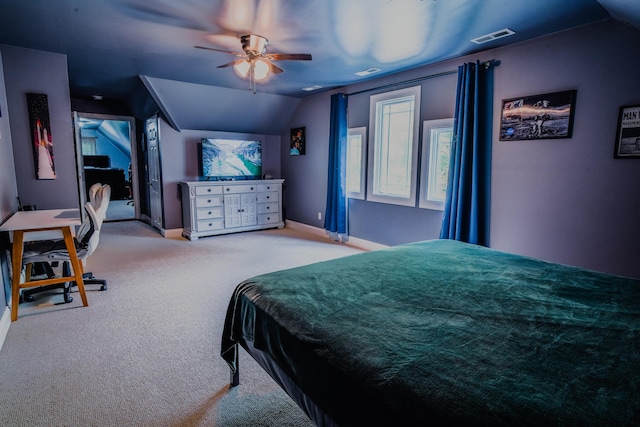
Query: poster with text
[(628, 134)]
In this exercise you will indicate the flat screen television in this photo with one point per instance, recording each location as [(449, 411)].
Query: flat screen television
[(229, 159)]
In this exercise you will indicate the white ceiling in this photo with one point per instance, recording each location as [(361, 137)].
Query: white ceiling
[(114, 45), (109, 43)]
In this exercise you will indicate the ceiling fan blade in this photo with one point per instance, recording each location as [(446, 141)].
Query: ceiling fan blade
[(288, 56), (242, 55), (274, 68), (231, 64)]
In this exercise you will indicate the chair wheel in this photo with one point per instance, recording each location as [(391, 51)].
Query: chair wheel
[(103, 287), (67, 293), (28, 298)]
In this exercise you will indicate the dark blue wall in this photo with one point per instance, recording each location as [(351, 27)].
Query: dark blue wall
[(564, 200)]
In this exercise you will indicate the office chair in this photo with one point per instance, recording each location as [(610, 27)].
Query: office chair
[(86, 241)]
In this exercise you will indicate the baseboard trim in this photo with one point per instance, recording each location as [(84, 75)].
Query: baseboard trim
[(353, 241), (5, 322), (174, 233)]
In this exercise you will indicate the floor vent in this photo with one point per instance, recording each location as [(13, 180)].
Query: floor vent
[(493, 36)]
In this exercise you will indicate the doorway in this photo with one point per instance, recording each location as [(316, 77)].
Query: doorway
[(106, 153)]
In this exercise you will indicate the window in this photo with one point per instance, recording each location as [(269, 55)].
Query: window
[(436, 149), (89, 145), (356, 144), (393, 148)]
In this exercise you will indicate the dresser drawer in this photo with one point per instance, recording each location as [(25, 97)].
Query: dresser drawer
[(210, 224), (267, 208), (234, 189), (201, 191), (272, 218), (210, 212), (271, 196), (206, 201), (268, 187)]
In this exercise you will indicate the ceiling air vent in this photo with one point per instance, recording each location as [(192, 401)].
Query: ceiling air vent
[(493, 36), (368, 71)]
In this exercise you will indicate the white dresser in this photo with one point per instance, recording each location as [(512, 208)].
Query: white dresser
[(221, 207)]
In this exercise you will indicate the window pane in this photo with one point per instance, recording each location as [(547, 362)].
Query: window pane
[(439, 164), (394, 144), (436, 150), (354, 163)]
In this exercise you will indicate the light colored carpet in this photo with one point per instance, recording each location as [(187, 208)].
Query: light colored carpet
[(146, 351), (119, 210)]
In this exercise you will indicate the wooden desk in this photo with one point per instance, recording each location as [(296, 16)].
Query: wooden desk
[(41, 225)]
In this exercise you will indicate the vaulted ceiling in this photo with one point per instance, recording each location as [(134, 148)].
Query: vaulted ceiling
[(111, 43)]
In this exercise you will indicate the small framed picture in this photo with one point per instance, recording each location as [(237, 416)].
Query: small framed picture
[(628, 134), (545, 116), (297, 142)]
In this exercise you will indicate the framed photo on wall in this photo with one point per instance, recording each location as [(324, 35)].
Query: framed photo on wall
[(297, 142), (545, 116), (628, 133), (42, 140)]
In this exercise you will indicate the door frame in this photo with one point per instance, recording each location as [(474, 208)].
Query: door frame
[(135, 191)]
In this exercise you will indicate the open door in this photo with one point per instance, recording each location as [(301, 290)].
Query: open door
[(155, 180), (106, 153)]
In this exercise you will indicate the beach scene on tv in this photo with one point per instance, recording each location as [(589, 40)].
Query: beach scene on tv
[(229, 159)]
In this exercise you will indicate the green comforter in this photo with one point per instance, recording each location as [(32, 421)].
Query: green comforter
[(443, 332)]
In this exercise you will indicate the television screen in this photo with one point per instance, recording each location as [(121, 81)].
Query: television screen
[(223, 159)]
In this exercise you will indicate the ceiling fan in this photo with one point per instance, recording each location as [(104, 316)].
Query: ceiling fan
[(255, 62)]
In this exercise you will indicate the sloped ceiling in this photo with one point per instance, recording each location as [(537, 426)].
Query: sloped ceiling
[(203, 107), (623, 10)]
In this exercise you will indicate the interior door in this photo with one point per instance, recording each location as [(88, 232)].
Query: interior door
[(155, 182)]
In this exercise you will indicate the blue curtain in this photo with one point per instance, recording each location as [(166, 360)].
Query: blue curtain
[(335, 218), (466, 213)]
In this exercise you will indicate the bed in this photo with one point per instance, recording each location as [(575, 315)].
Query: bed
[(444, 332)]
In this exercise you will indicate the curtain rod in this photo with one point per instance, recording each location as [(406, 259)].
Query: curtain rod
[(486, 64)]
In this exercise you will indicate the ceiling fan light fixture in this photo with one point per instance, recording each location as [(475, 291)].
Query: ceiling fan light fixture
[(242, 68), (260, 69), (253, 44)]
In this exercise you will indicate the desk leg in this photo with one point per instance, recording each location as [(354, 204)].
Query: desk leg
[(75, 263), (16, 271)]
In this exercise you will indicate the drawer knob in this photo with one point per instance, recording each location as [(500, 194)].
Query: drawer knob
[(209, 201), (209, 190), (209, 212), (267, 197), (268, 207), (252, 188)]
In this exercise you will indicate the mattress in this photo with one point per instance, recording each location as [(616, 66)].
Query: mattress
[(446, 332)]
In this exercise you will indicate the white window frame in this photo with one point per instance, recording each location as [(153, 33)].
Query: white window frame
[(374, 158), (359, 132), (429, 162)]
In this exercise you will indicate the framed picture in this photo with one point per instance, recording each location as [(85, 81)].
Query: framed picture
[(297, 142), (41, 138), (628, 134), (546, 116)]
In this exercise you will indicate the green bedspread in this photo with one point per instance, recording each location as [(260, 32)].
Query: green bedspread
[(445, 332)]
